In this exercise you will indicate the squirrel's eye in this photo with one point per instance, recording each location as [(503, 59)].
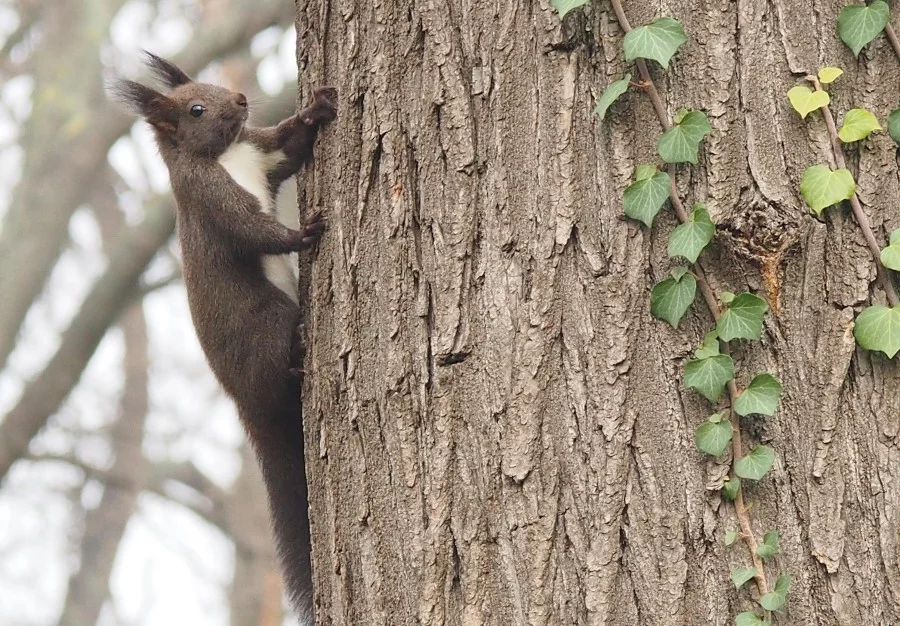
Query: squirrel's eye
[(197, 110)]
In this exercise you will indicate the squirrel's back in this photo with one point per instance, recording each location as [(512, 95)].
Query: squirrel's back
[(225, 177)]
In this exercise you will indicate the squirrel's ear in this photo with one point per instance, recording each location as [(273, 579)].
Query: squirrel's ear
[(166, 71), (159, 111)]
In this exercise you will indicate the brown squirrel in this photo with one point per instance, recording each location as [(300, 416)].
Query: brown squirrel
[(225, 177)]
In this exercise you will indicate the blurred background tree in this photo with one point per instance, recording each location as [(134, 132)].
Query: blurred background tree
[(125, 478)]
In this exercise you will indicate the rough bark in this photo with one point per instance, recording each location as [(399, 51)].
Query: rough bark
[(497, 430)]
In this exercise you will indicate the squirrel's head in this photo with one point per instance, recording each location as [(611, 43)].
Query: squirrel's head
[(197, 118)]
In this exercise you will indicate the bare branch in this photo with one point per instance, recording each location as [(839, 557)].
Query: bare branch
[(58, 163), (131, 255)]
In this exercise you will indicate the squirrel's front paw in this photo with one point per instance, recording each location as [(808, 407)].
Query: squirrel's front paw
[(311, 231), (324, 106)]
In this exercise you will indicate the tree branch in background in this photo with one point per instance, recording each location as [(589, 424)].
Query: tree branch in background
[(67, 140), (105, 526), (129, 257)]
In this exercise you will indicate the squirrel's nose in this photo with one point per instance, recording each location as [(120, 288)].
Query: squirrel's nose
[(241, 100)]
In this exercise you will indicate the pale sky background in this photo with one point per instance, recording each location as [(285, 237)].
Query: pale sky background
[(172, 568)]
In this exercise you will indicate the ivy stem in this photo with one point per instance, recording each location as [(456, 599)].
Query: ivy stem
[(740, 506), (712, 302), (892, 37), (861, 218)]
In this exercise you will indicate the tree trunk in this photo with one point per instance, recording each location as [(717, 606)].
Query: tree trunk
[(497, 428)]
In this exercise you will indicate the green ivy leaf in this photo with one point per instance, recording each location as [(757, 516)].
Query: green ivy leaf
[(821, 187), (712, 437), (743, 318), (859, 24), (749, 618), (741, 575), (644, 171), (611, 94), (858, 124), (805, 100), (776, 598), (731, 487), (689, 239), (829, 74), (760, 396), (890, 256), (681, 143), (894, 125), (708, 376), (755, 463), (658, 40), (645, 196), (708, 347), (769, 546), (726, 297), (671, 298), (730, 537), (564, 6), (878, 328)]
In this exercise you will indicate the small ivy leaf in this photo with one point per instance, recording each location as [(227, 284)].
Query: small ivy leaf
[(859, 24), (743, 318), (829, 74), (678, 272), (708, 376), (709, 347), (805, 100), (713, 437), (878, 328), (689, 239), (890, 256), (645, 171), (564, 6), (611, 94), (760, 396), (670, 299), (755, 463), (726, 297), (858, 124), (776, 598), (658, 40), (769, 546), (644, 198), (821, 187), (681, 143), (730, 537), (731, 487), (741, 575), (749, 618), (894, 125)]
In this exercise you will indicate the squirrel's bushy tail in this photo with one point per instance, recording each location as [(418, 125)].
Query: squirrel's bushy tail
[(279, 448)]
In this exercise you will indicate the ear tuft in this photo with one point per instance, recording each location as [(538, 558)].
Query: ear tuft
[(166, 71), (135, 96), (156, 108)]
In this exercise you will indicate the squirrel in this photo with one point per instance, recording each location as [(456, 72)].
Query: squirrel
[(225, 176)]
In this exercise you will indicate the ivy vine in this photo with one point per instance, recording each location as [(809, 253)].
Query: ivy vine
[(711, 369)]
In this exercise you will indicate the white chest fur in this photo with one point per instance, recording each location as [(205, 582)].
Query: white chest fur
[(249, 166)]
